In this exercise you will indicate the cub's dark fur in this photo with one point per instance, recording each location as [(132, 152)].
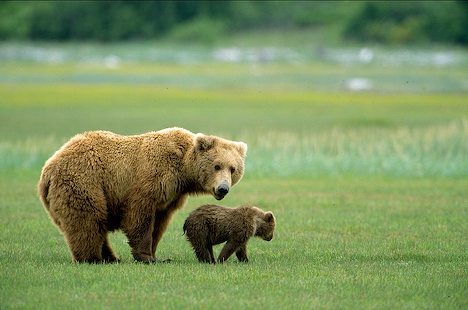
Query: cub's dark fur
[(211, 224)]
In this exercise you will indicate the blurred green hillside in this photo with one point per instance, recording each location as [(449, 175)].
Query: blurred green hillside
[(207, 21)]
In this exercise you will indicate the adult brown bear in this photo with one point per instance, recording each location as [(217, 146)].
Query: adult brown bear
[(100, 181)]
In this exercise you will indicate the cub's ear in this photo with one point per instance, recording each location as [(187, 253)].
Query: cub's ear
[(269, 217), (242, 148), (203, 142)]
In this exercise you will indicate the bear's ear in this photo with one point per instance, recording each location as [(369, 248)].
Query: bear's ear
[(269, 217), (203, 142), (242, 148)]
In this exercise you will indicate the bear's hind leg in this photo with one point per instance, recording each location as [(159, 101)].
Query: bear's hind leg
[(80, 211), (85, 240), (198, 238), (212, 257), (203, 250), (85, 253), (241, 254), (203, 254)]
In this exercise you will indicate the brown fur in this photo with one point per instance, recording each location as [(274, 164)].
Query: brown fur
[(100, 181), (210, 225)]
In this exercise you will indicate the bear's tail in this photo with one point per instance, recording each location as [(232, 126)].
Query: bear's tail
[(43, 189)]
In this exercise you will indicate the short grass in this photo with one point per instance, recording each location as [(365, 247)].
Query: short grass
[(369, 190), (340, 243)]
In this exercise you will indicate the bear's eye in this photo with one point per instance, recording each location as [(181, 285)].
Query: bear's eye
[(217, 167), (233, 170)]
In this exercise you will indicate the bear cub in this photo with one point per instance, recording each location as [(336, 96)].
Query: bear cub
[(211, 224)]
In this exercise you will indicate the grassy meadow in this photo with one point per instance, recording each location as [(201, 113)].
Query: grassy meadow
[(369, 188)]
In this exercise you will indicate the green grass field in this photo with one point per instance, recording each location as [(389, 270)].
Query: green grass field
[(370, 191)]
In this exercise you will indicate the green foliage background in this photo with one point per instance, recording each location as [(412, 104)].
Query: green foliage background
[(206, 21)]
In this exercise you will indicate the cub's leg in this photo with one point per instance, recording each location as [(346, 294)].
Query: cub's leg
[(212, 257), (203, 253), (229, 248), (203, 250), (241, 254), (197, 235)]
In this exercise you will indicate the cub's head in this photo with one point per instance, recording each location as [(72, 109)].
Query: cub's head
[(219, 163), (266, 223)]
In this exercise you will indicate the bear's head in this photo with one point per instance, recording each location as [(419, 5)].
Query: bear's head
[(219, 163), (265, 226)]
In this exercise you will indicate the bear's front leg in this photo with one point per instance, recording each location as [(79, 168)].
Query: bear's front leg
[(229, 248), (161, 221), (140, 238)]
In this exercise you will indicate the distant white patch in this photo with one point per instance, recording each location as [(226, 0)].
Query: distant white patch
[(112, 62), (358, 84), (228, 54), (443, 59), (47, 55), (256, 55), (366, 55)]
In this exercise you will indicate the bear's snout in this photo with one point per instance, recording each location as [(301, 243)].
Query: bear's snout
[(221, 191)]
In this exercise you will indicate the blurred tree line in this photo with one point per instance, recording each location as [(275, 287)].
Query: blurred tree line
[(205, 21)]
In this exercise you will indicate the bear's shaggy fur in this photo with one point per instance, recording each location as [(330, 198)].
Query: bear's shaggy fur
[(100, 181), (210, 225)]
